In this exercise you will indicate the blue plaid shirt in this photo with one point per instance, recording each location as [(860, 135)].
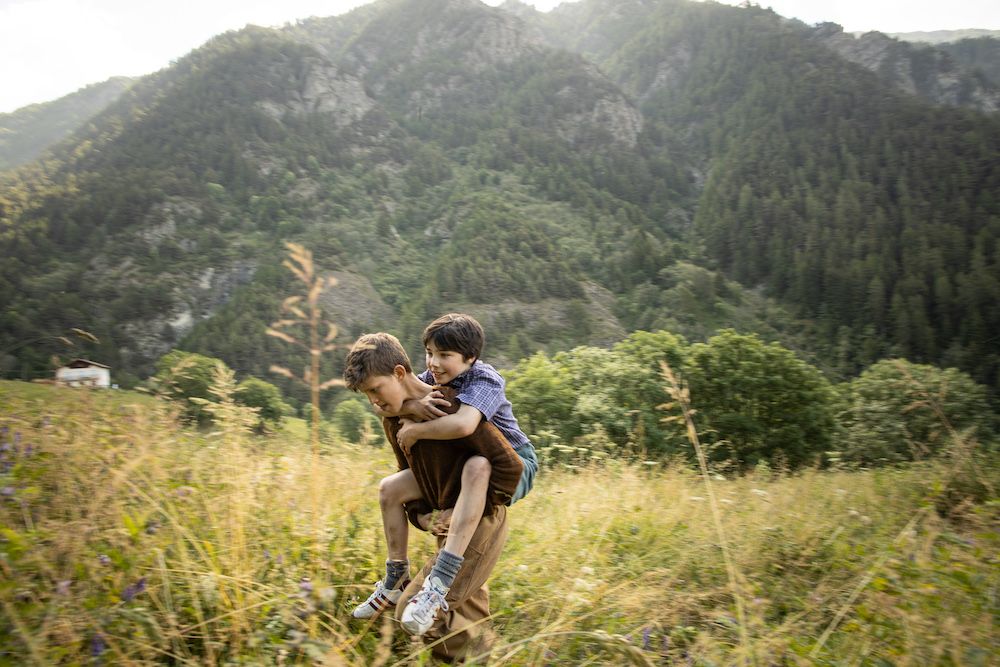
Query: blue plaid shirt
[(482, 387)]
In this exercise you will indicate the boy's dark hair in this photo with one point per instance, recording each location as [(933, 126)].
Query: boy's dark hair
[(456, 332), (374, 354)]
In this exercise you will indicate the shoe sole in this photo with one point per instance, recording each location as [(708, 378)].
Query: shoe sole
[(414, 629)]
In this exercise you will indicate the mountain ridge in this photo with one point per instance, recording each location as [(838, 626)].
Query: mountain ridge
[(564, 197)]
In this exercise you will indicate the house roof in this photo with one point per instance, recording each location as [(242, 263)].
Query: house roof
[(84, 363)]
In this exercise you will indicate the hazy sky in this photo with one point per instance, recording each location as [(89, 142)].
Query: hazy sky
[(49, 48)]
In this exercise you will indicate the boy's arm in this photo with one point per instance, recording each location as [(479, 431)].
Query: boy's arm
[(459, 425), (428, 407)]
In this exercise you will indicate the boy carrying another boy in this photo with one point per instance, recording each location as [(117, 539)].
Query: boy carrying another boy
[(453, 345)]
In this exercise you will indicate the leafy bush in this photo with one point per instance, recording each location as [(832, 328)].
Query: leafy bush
[(755, 401), (897, 410), (183, 376), (256, 393), (758, 401), (353, 420)]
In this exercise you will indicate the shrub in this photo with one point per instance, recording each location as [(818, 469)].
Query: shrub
[(256, 393), (353, 420), (183, 376), (758, 401), (897, 410)]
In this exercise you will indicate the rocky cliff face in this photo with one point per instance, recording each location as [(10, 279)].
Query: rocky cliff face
[(919, 70), (324, 90)]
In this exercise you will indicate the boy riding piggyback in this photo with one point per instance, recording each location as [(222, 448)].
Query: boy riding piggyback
[(453, 344)]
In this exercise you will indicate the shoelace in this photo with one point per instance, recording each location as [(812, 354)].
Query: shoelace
[(428, 596)]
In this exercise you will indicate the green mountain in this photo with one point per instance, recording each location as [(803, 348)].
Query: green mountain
[(928, 71), (28, 131), (565, 177), (981, 54), (870, 213)]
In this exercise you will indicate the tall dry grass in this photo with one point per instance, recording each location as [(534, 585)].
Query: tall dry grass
[(131, 539)]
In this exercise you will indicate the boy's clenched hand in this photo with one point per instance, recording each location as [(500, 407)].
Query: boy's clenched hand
[(426, 408), (405, 437)]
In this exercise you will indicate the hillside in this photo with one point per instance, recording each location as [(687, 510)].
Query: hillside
[(839, 198), (981, 54), (27, 132), (930, 72), (567, 178)]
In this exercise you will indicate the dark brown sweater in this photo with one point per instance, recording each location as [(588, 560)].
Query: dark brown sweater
[(437, 464)]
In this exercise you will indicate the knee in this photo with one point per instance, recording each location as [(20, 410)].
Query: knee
[(389, 492), (477, 469)]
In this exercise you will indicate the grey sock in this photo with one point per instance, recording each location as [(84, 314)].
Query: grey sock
[(446, 568), (394, 571)]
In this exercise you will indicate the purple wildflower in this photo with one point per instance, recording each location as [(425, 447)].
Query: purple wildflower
[(104, 559), (7, 491), (134, 589), (62, 588), (267, 554), (646, 633), (97, 644), (152, 526), (305, 586)]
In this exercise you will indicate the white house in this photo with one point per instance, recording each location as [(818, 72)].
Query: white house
[(84, 373)]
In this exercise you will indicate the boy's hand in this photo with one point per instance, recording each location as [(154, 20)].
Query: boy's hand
[(422, 409), (405, 437), (436, 523)]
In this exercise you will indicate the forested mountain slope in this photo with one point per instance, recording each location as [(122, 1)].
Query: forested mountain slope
[(872, 213), (443, 154), (27, 132), (982, 54)]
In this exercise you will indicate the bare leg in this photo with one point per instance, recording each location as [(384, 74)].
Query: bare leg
[(471, 502), (393, 491)]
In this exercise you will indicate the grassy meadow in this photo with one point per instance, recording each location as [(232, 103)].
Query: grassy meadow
[(130, 539)]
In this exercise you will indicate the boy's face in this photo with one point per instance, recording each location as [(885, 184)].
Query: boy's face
[(446, 365), (386, 392)]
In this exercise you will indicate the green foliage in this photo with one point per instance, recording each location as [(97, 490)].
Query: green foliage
[(758, 402), (27, 132), (543, 396), (900, 411), (256, 393), (354, 421), (187, 377), (755, 401), (980, 54)]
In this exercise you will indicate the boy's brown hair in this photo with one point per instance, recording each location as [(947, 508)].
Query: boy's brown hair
[(374, 354), (457, 332)]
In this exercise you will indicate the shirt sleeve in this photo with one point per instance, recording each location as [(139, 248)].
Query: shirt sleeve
[(484, 392), (426, 377)]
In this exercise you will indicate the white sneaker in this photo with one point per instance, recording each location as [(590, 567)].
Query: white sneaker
[(383, 598), (419, 613)]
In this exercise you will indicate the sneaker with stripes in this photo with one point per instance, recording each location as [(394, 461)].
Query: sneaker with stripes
[(383, 598)]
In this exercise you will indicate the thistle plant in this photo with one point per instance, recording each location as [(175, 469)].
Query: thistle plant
[(302, 313)]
